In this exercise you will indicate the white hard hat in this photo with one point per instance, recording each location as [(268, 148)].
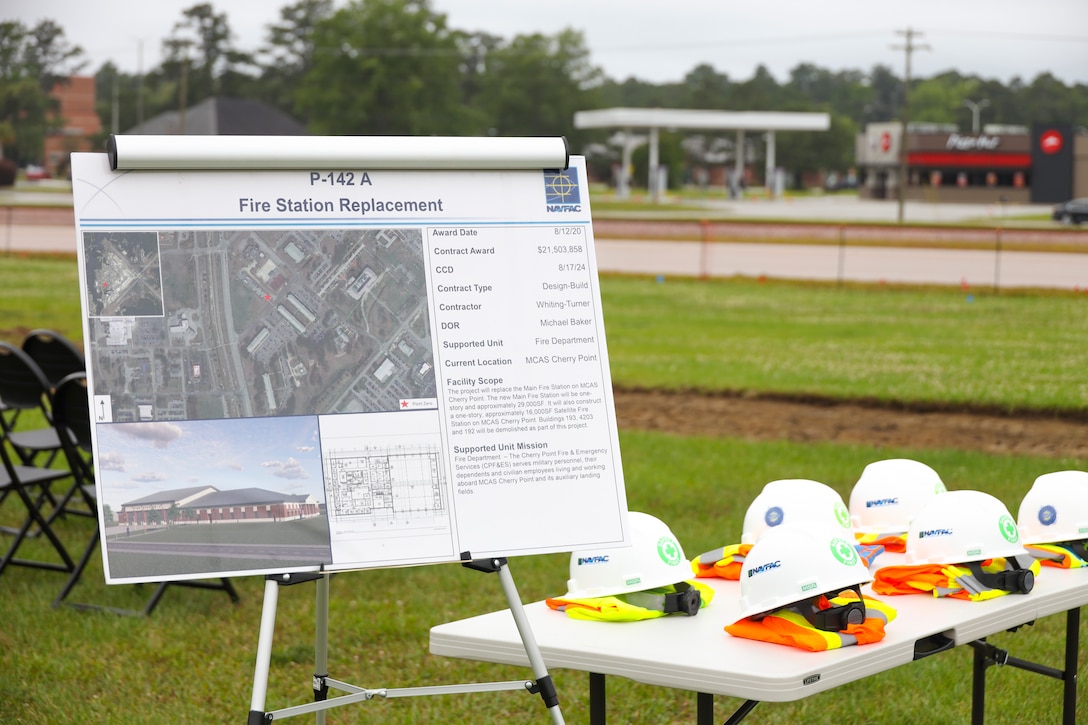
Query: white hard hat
[(889, 494), (962, 526), (653, 559), (790, 564), (795, 500), (1055, 509)]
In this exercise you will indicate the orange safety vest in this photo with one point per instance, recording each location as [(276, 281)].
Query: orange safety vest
[(789, 626), (724, 563), (622, 607), (890, 542), (1056, 555), (942, 580)]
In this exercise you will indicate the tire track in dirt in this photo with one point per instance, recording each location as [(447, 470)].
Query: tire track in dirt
[(756, 417)]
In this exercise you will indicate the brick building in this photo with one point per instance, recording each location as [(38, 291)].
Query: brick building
[(81, 125)]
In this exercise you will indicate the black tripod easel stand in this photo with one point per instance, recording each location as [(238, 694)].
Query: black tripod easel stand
[(542, 684)]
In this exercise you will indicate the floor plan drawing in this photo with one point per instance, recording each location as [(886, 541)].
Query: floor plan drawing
[(387, 490)]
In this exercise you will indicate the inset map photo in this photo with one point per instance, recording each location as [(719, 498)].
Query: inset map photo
[(124, 277), (260, 322)]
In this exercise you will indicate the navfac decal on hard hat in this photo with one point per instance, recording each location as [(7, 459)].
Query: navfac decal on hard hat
[(882, 502), (668, 550), (1008, 529), (774, 516), (561, 191), (934, 532), (592, 560), (844, 551), (1047, 515), (764, 567)]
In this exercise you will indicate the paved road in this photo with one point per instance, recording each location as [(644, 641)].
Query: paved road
[(976, 269), (972, 269)]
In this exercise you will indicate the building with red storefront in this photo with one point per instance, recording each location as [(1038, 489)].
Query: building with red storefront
[(1044, 164)]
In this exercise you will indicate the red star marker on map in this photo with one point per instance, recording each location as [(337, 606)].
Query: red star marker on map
[(404, 403)]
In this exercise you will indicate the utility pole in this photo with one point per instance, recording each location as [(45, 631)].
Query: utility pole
[(909, 46)]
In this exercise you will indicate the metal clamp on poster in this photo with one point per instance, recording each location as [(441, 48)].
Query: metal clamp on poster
[(314, 355)]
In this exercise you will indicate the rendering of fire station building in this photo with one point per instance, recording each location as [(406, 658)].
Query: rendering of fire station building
[(207, 504), (1041, 165)]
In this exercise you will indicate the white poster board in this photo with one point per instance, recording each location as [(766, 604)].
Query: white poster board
[(339, 369)]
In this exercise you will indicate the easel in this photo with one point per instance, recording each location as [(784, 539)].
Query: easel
[(305, 154), (542, 685)]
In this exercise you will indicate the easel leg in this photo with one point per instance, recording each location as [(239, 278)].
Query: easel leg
[(321, 646), (543, 680), (264, 653)]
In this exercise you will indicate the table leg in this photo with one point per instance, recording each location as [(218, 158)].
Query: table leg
[(1072, 644), (598, 714)]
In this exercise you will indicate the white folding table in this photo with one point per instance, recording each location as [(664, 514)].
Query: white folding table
[(695, 654)]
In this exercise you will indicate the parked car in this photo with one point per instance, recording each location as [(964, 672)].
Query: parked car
[(36, 173), (1074, 211)]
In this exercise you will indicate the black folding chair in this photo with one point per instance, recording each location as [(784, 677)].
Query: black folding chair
[(24, 388), (30, 486), (72, 416), (55, 355)]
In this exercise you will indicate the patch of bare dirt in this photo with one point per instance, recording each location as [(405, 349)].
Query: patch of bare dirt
[(756, 417)]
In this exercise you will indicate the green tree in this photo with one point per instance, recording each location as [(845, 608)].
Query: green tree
[(200, 54), (289, 54), (32, 62), (940, 99), (707, 88), (534, 84), (383, 67)]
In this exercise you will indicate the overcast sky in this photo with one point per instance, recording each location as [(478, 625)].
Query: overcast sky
[(661, 41)]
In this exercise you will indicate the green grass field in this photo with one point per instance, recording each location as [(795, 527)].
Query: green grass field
[(192, 660)]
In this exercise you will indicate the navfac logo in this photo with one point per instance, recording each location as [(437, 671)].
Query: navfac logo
[(882, 502), (561, 191), (592, 560), (764, 567)]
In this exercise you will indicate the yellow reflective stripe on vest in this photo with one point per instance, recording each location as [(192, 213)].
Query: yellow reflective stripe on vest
[(833, 640), (616, 609), (873, 607), (1059, 556)]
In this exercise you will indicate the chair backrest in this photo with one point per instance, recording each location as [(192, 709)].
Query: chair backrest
[(23, 386), (72, 409), (55, 354)]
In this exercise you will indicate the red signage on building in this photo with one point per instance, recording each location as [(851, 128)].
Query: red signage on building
[(1051, 142)]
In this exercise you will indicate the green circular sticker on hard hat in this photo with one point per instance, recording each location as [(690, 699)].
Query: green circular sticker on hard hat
[(842, 514), (1008, 529), (844, 551), (669, 551)]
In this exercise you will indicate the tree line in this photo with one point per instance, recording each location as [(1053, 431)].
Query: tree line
[(396, 67)]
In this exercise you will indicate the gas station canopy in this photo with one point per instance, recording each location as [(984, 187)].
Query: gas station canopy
[(670, 118), (654, 119)]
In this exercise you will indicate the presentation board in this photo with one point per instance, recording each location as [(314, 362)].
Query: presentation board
[(331, 369)]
